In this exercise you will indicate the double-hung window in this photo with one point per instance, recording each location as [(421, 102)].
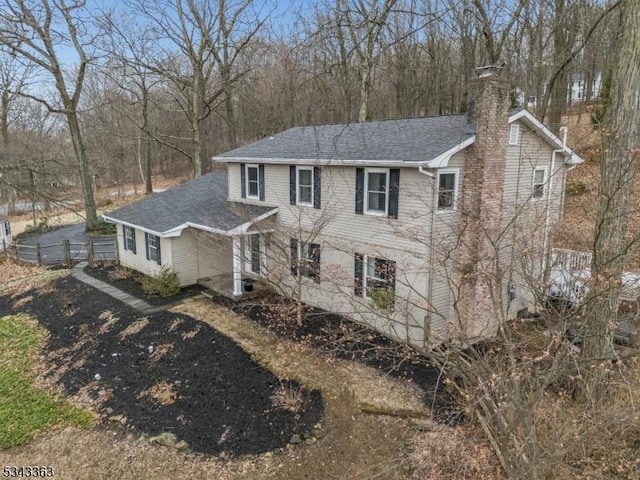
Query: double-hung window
[(129, 239), (305, 185), (305, 259), (377, 191), (153, 248), (379, 274), (253, 182), (374, 276), (447, 190), (539, 181)]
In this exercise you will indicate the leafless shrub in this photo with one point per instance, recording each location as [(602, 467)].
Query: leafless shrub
[(119, 272), (288, 396)]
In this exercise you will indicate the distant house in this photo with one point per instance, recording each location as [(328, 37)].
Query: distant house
[(5, 231), (426, 229)]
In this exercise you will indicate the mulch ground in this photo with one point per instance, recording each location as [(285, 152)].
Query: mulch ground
[(193, 382), (326, 332), (345, 339), (132, 287)]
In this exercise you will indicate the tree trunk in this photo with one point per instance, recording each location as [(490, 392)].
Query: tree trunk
[(197, 96), (146, 144), (91, 217), (617, 171)]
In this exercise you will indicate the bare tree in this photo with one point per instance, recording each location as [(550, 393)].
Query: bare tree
[(617, 174), (207, 39), (36, 31)]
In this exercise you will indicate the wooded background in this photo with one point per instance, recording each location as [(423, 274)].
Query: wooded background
[(98, 97)]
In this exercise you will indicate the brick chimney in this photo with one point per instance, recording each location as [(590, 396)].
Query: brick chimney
[(479, 276)]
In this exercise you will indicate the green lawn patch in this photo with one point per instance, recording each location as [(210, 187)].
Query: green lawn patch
[(25, 409)]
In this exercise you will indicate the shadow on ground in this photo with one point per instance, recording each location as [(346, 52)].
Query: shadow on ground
[(164, 373)]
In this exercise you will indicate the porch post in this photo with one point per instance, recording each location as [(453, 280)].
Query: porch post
[(237, 266)]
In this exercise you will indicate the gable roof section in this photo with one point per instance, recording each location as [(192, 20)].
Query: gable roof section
[(428, 142), (200, 203), (410, 141)]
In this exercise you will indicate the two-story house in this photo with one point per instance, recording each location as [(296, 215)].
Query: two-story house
[(426, 229)]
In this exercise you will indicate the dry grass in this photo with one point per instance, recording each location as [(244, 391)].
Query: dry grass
[(288, 397), (134, 328), (444, 453), (161, 351), (109, 320), (119, 272), (295, 361), (163, 392), (191, 334)]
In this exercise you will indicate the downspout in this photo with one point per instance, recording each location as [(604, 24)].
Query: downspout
[(545, 245), (431, 175)]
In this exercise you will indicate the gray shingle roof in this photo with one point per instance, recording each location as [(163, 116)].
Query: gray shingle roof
[(3, 217), (202, 201), (417, 139)]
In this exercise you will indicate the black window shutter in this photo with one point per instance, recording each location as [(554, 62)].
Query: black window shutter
[(394, 191), (146, 243), (317, 187), (391, 273), (315, 267), (158, 250), (357, 274), (359, 190), (243, 183), (292, 184), (294, 257), (261, 180), (133, 236)]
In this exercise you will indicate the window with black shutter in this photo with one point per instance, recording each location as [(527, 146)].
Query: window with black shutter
[(305, 186), (153, 248), (373, 276), (305, 259), (129, 239)]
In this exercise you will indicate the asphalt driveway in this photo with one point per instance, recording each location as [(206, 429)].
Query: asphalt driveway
[(51, 245)]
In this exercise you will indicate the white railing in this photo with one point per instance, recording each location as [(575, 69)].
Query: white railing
[(571, 260)]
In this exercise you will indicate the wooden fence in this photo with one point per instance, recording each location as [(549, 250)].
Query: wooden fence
[(65, 253)]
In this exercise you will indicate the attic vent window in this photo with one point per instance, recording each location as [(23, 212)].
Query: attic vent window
[(514, 135)]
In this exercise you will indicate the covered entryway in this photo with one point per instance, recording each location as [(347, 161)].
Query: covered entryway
[(235, 266)]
